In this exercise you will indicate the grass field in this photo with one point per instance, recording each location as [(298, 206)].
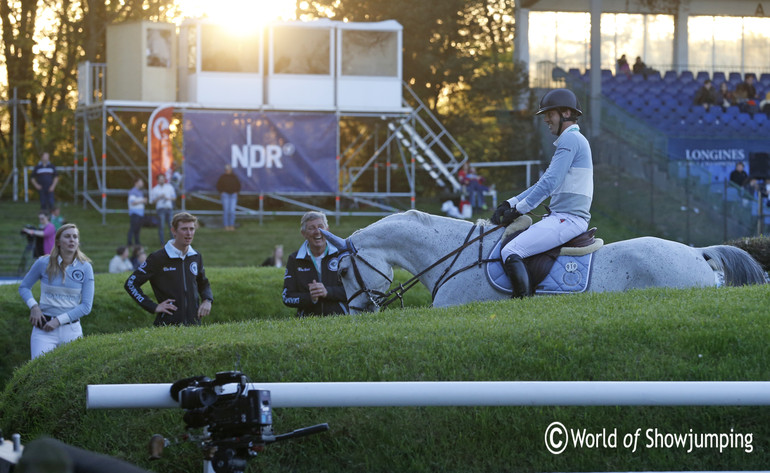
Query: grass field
[(703, 334)]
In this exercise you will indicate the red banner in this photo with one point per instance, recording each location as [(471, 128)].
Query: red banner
[(159, 143)]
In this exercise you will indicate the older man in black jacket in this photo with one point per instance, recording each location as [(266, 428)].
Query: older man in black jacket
[(310, 283)]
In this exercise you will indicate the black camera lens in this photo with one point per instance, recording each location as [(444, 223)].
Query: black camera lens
[(195, 397)]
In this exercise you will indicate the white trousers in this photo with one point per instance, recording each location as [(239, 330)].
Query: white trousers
[(42, 342), (550, 232)]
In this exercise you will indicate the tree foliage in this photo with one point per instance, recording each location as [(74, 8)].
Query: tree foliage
[(44, 41), (458, 60)]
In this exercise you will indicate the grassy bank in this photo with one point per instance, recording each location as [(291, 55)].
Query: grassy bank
[(241, 294), (705, 334)]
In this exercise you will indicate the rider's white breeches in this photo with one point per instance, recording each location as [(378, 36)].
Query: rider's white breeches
[(552, 231)]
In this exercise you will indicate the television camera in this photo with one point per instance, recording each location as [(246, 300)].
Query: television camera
[(237, 421)]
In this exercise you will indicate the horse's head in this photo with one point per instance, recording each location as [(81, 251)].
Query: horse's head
[(365, 275)]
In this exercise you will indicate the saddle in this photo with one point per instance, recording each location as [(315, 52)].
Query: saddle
[(539, 265)]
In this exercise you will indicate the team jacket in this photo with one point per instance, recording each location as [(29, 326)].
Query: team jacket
[(300, 271), (172, 277), (569, 179)]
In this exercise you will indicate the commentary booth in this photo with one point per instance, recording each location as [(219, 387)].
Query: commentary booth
[(306, 113)]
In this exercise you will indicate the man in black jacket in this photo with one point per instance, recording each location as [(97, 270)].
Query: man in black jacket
[(177, 278), (310, 283)]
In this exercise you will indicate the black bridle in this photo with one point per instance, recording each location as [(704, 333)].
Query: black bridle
[(380, 299)]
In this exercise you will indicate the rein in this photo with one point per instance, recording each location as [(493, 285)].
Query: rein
[(383, 299)]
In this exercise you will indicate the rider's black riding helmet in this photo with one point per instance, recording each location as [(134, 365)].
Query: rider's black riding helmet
[(559, 98)]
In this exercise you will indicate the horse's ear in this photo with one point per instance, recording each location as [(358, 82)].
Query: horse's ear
[(335, 241)]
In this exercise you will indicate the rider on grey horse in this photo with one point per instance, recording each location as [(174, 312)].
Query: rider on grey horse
[(568, 181)]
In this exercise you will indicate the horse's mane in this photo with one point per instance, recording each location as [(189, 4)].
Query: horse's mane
[(421, 217), (412, 217)]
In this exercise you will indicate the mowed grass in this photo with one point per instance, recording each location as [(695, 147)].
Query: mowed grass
[(658, 334)]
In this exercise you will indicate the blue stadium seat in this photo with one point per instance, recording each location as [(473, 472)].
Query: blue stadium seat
[(719, 76), (743, 117), (606, 73), (690, 89), (702, 76), (708, 119), (735, 78), (654, 102), (653, 76), (669, 77), (734, 125), (686, 77), (764, 79), (760, 118), (623, 85), (733, 110)]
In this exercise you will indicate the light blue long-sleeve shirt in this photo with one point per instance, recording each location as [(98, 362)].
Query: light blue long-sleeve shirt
[(66, 300), (569, 179)]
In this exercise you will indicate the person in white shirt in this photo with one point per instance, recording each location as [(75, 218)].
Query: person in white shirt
[(121, 263), (136, 201), (163, 196)]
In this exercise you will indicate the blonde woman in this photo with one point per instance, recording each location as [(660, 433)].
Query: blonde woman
[(66, 292)]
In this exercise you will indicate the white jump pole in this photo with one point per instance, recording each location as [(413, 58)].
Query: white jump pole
[(463, 393)]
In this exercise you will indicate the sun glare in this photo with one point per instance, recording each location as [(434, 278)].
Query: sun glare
[(240, 15)]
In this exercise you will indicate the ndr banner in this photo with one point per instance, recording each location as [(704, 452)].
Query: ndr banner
[(714, 150), (269, 152)]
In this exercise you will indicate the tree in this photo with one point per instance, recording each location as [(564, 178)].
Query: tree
[(458, 59), (44, 41)]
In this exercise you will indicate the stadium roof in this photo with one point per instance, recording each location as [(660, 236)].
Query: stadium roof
[(693, 7)]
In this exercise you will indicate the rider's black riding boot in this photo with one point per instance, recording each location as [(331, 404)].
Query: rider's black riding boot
[(517, 273)]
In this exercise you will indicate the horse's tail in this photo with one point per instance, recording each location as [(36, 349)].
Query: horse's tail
[(739, 267)]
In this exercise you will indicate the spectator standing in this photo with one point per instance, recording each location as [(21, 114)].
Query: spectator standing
[(136, 201), (66, 293), (228, 187), (56, 218), (177, 278), (474, 185), (120, 263), (47, 232), (739, 176), (45, 178), (706, 95), (163, 196), (310, 283)]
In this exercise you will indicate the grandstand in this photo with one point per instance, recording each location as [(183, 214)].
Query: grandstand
[(696, 148)]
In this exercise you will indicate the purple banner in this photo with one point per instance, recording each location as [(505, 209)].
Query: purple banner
[(269, 152)]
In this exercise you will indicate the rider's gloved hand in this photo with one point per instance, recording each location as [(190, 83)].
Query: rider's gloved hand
[(509, 216), (499, 211)]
